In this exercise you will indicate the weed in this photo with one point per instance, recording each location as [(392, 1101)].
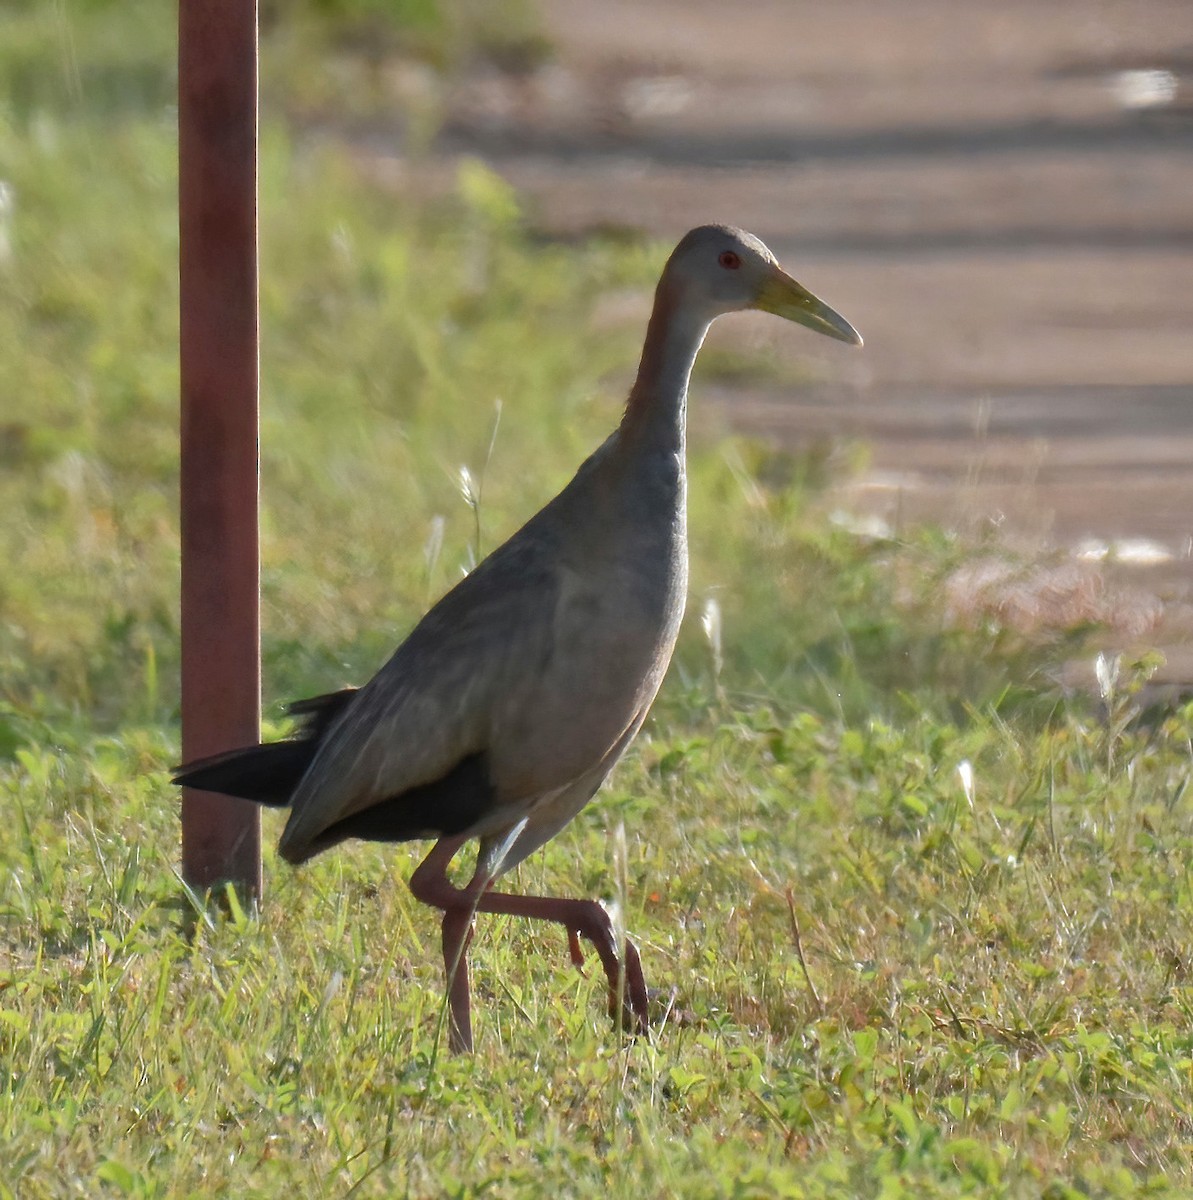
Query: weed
[(922, 926)]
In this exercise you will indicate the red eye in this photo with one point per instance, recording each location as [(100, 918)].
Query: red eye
[(729, 260)]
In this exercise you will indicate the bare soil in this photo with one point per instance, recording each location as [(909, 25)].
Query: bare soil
[(998, 195)]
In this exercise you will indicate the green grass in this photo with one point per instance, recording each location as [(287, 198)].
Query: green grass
[(885, 983)]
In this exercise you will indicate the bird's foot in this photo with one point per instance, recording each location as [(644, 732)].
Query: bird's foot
[(629, 1001), (575, 950)]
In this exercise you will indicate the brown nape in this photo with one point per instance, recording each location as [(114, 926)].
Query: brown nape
[(650, 365)]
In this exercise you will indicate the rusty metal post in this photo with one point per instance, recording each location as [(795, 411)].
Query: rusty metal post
[(217, 203)]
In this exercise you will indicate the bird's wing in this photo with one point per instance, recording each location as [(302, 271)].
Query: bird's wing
[(471, 659)]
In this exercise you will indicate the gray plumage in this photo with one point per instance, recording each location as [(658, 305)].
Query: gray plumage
[(502, 713)]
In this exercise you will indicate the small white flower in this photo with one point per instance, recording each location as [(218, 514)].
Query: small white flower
[(467, 487), (1106, 670), (710, 622), (433, 546)]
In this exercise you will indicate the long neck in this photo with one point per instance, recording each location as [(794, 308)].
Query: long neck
[(657, 407)]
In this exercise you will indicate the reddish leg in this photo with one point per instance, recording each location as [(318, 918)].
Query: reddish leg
[(581, 918), (430, 884), (575, 951), (587, 919), (457, 937)]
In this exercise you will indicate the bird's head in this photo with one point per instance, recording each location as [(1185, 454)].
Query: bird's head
[(717, 269)]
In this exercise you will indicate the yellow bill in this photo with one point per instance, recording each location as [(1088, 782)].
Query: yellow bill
[(785, 298)]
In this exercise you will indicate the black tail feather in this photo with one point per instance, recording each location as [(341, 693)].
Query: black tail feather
[(268, 774), (318, 712)]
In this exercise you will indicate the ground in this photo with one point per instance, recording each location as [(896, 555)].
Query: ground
[(920, 924), (996, 195)]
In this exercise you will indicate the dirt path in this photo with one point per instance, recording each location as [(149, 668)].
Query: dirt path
[(1000, 196)]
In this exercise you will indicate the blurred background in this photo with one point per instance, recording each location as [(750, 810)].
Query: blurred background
[(903, 829), (998, 195), (464, 208)]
